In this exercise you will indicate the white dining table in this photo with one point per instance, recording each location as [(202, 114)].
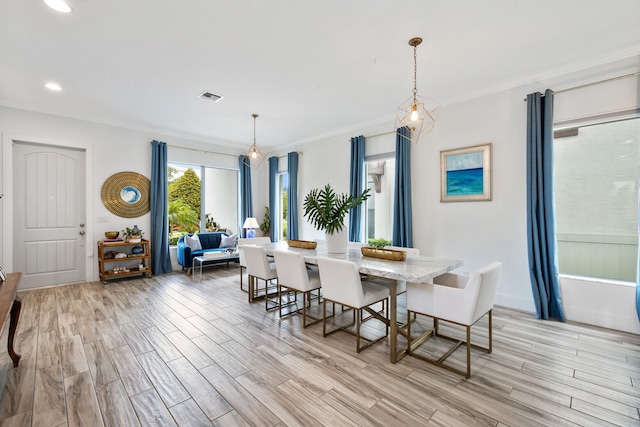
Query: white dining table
[(419, 269)]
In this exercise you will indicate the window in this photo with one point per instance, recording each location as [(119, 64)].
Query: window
[(220, 190), (596, 195), (202, 198), (379, 206), (283, 197)]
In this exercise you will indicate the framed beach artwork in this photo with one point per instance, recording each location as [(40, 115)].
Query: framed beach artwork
[(465, 174)]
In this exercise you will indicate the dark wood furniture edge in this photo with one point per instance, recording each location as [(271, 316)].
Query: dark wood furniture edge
[(10, 303)]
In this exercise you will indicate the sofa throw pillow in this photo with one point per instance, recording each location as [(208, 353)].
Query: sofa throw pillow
[(229, 241), (193, 242)]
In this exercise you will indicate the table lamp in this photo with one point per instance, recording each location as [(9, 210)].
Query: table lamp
[(251, 224)]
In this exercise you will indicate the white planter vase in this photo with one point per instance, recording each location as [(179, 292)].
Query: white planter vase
[(337, 242)]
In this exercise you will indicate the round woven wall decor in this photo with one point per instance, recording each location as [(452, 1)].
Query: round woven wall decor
[(126, 194)]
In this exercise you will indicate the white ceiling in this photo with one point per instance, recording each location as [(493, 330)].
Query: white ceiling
[(309, 69)]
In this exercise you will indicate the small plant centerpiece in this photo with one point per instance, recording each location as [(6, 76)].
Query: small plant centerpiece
[(326, 211), (379, 243), (132, 235)]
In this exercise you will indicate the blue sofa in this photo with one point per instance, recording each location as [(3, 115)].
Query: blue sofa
[(210, 242)]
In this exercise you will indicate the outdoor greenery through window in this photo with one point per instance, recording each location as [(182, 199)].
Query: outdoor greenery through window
[(201, 198), (596, 196), (283, 191)]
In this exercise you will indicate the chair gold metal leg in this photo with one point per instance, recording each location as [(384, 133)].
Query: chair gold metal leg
[(266, 295), (305, 316), (409, 332), (357, 318), (413, 344), (324, 318), (490, 331), (468, 351)]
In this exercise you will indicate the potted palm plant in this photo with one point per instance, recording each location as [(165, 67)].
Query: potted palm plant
[(327, 210)]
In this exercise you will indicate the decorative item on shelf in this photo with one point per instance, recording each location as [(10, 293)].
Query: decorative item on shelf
[(250, 224), (390, 254), (111, 235), (255, 155), (417, 113), (120, 255), (137, 250), (326, 211), (304, 244), (126, 194), (132, 235), (210, 223)]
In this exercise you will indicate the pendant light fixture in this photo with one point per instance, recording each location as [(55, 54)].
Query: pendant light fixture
[(254, 156), (417, 113)]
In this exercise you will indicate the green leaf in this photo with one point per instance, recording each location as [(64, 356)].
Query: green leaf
[(326, 210)]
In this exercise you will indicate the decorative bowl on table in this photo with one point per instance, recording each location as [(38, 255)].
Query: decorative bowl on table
[(111, 234), (304, 244), (390, 254)]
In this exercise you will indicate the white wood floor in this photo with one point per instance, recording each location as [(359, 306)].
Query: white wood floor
[(171, 350)]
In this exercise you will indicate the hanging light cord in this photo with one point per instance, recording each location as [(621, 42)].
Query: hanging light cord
[(415, 73), (255, 116)]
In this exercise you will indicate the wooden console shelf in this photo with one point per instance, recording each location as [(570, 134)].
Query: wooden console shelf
[(106, 265), (10, 303)]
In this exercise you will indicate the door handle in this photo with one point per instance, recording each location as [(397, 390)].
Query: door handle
[(81, 225), (82, 233)]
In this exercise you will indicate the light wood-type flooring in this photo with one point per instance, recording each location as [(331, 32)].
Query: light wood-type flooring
[(171, 350)]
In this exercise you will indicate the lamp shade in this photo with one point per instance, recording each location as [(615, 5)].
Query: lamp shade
[(251, 222)]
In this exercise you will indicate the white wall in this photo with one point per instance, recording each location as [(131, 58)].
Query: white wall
[(481, 232), (477, 232), (111, 149)]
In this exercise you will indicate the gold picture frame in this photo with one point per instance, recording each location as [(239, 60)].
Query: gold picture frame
[(126, 194), (465, 174)]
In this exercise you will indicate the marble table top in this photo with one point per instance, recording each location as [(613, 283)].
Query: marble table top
[(413, 269)]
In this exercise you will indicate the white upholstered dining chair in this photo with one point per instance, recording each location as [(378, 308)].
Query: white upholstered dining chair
[(457, 299), (259, 268), (294, 275), (248, 241), (341, 284)]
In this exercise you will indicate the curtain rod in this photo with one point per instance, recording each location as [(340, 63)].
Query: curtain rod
[(380, 134), (203, 151), (216, 152), (594, 83), (282, 157)]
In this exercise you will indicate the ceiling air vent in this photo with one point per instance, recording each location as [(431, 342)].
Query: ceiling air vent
[(210, 96)]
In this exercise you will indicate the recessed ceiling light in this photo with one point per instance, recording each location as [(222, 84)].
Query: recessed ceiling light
[(59, 5), (53, 86)]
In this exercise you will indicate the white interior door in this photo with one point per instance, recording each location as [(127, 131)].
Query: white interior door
[(49, 214)]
